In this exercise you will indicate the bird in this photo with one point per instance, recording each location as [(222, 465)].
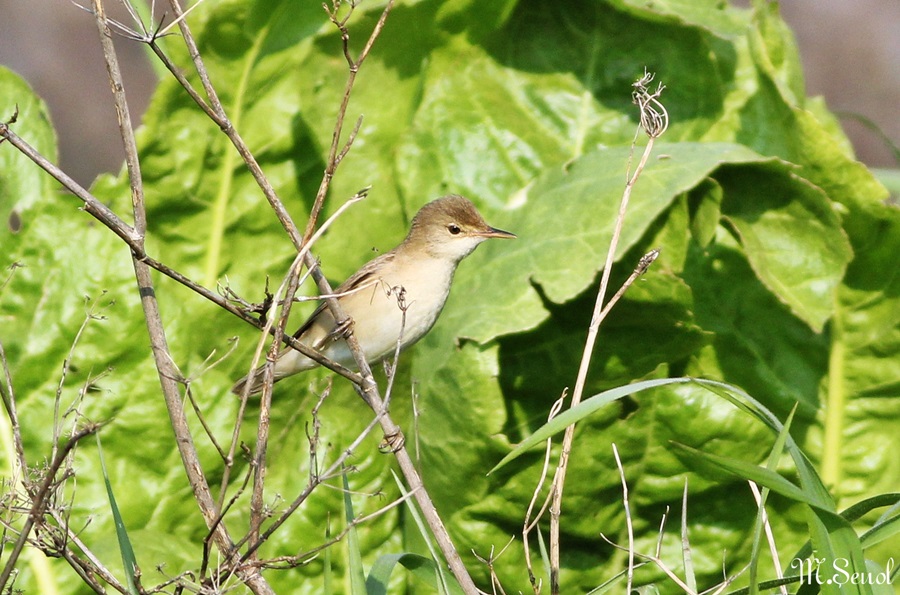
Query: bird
[(396, 296)]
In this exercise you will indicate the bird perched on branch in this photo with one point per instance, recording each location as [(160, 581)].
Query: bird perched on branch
[(396, 296)]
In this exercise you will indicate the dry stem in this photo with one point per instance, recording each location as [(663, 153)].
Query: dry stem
[(654, 122)]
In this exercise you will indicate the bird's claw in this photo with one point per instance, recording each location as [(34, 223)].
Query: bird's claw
[(343, 327), (392, 442)]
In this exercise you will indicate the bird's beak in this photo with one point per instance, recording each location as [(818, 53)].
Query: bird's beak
[(492, 232)]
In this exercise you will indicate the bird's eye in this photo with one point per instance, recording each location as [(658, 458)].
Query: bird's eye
[(454, 229)]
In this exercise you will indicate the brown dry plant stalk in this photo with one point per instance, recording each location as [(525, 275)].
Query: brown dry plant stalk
[(653, 121)]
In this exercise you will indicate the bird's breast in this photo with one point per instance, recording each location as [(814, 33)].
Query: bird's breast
[(401, 303)]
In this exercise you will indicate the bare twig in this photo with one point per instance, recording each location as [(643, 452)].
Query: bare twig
[(313, 438), (286, 291), (335, 156), (315, 481), (288, 288), (219, 116), (40, 497), (7, 392), (92, 562), (628, 524), (67, 362), (93, 206), (292, 561), (529, 525), (657, 560), (489, 561)]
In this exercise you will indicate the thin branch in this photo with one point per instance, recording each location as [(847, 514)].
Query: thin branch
[(628, 524), (334, 155), (93, 206), (313, 439), (490, 561), (9, 402), (40, 499), (92, 562), (226, 126), (123, 113), (293, 561), (288, 288), (528, 524), (67, 362), (313, 483)]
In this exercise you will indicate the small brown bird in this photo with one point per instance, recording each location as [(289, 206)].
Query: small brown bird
[(415, 276)]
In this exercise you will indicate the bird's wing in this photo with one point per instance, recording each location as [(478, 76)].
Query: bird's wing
[(366, 273), (357, 280)]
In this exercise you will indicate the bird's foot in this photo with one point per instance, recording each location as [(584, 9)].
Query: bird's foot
[(392, 442)]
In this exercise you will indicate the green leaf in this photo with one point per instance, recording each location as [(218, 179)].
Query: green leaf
[(730, 301), (791, 236), (22, 185), (424, 569), (719, 17)]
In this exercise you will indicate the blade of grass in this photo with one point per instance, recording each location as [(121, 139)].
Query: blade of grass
[(581, 411), (759, 526), (749, 471), (545, 555), (129, 562), (689, 575), (357, 572), (609, 584), (857, 511), (881, 531), (833, 538)]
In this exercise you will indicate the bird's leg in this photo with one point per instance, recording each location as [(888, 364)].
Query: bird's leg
[(340, 330), (388, 366), (393, 442)]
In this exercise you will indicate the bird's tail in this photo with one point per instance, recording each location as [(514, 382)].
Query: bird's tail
[(256, 384)]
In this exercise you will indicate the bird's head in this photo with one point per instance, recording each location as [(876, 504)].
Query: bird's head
[(451, 228)]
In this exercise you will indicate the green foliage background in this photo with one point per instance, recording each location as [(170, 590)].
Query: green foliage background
[(778, 274)]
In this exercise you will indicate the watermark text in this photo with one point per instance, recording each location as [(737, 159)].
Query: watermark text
[(839, 571)]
